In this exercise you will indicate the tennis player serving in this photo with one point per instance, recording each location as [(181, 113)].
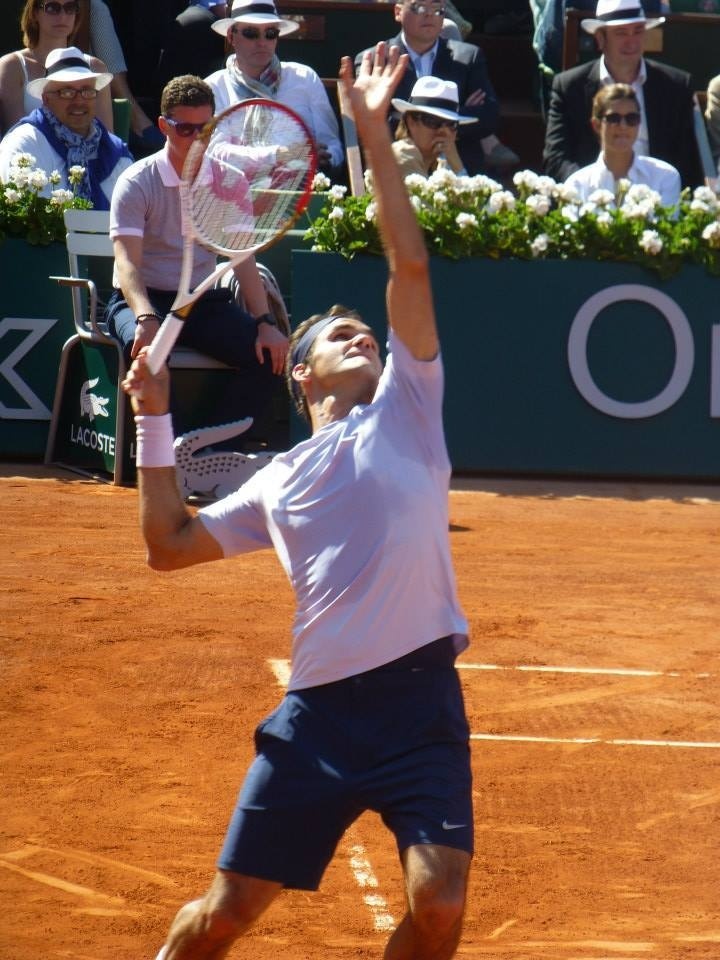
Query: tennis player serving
[(373, 718)]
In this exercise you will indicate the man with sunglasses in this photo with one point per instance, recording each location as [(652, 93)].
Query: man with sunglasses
[(254, 69), (664, 93), (429, 53), (64, 131), (147, 232)]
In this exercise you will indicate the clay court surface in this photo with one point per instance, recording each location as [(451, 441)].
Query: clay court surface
[(129, 699)]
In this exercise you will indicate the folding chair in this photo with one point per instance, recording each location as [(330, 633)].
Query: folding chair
[(91, 417)]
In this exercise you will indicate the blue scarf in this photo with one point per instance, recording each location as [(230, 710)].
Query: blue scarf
[(99, 152)]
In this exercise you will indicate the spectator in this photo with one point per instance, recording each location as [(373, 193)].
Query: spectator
[(64, 131), (616, 121), (421, 23), (146, 227), (255, 70), (664, 94), (427, 133), (712, 115), (189, 45), (46, 25)]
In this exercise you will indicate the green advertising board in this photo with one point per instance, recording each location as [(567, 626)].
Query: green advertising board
[(558, 367)]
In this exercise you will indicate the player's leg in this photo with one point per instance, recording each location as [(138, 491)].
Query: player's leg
[(436, 886), (205, 929)]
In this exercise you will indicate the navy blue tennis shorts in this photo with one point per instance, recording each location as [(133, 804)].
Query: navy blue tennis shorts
[(394, 740)]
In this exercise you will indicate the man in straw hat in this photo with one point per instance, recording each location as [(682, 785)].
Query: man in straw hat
[(254, 69), (373, 718), (664, 94), (64, 132)]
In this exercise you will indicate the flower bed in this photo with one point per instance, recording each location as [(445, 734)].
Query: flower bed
[(28, 215), (477, 217)]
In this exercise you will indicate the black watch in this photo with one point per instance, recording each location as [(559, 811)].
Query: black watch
[(266, 318)]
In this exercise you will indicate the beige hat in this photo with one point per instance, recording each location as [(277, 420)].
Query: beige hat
[(67, 65), (255, 13), (617, 13)]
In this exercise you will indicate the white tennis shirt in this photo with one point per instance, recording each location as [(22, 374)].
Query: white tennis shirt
[(358, 515)]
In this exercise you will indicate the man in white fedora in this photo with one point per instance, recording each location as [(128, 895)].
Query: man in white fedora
[(664, 94), (427, 133), (254, 69), (64, 132)]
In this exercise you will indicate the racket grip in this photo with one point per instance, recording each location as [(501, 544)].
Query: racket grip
[(163, 342)]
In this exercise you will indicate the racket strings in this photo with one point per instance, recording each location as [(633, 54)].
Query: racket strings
[(253, 178)]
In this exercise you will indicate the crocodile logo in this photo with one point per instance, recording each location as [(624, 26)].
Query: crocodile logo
[(90, 404)]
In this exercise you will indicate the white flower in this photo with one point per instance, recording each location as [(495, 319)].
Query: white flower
[(440, 199), (705, 195), (442, 177), (539, 244), (20, 177), (711, 233), (368, 180), (13, 196), (466, 221), (337, 213), (603, 219), (76, 173), (482, 184), (547, 186), (501, 200), (337, 191), (525, 178), (371, 212), (602, 198), (570, 212), (651, 242), (700, 206), (60, 196), (38, 179), (321, 183), (640, 193), (414, 181), (415, 203), (23, 160), (538, 204), (55, 177)]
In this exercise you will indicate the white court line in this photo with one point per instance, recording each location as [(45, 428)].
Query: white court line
[(519, 738), (383, 920), (592, 671)]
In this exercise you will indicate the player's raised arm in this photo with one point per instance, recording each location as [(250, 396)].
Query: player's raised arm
[(409, 296)]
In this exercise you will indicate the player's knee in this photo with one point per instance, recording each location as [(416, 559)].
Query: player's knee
[(438, 911)]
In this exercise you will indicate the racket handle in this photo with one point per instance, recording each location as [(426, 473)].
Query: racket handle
[(163, 342)]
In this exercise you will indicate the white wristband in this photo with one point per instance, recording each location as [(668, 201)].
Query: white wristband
[(155, 441)]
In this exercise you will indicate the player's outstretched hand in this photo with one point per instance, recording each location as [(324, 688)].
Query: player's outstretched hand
[(149, 393), (371, 91)]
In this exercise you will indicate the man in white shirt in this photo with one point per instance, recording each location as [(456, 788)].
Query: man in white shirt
[(64, 132), (358, 515), (255, 70)]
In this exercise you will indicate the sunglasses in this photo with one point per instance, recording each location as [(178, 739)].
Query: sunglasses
[(69, 93), (184, 128), (252, 33), (433, 123), (421, 8), (54, 9), (629, 119)]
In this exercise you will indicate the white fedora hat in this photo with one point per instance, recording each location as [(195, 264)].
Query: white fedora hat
[(255, 13), (435, 96), (67, 65), (616, 13)]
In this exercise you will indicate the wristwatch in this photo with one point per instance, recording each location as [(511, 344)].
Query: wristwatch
[(266, 318)]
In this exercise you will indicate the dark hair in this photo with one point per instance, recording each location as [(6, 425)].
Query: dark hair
[(31, 31), (186, 91), (297, 396), (609, 94)]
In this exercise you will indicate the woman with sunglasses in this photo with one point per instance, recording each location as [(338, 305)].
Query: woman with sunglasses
[(616, 121), (46, 25), (427, 133), (254, 69)]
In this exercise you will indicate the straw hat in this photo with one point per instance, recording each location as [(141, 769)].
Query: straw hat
[(617, 13), (255, 13), (65, 66), (436, 96)]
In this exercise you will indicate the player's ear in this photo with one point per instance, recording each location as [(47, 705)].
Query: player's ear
[(300, 372)]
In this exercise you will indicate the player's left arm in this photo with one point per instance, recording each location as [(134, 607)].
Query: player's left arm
[(409, 295)]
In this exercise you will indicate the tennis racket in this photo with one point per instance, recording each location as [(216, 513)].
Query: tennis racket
[(246, 179)]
